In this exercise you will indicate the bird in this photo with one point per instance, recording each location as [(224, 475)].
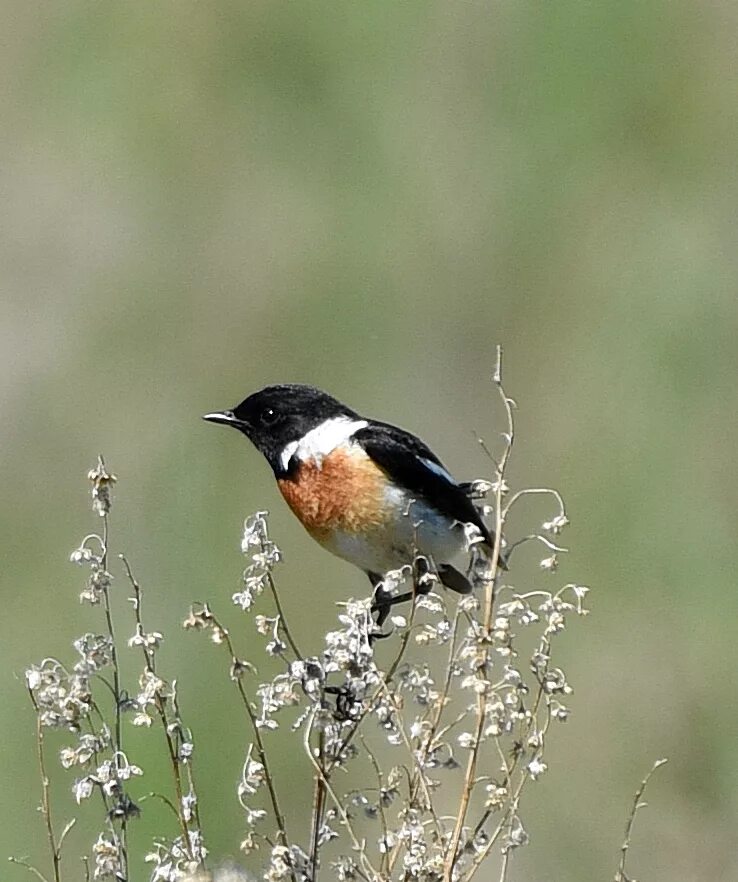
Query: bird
[(369, 492)]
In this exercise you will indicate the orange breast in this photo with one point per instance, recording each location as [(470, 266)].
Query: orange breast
[(346, 492)]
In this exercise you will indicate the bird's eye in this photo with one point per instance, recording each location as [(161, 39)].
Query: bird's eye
[(269, 416)]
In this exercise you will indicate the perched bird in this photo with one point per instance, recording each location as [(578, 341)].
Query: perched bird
[(367, 491)]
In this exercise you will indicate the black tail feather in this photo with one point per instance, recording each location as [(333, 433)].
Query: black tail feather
[(454, 580)]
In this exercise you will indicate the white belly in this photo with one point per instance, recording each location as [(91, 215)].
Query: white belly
[(414, 529)]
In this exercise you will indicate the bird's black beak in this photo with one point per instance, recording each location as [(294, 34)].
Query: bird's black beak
[(225, 418)]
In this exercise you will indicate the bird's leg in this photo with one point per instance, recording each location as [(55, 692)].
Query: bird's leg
[(383, 604), (348, 705), (384, 601)]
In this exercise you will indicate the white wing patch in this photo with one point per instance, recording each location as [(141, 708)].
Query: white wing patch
[(438, 469), (320, 441)]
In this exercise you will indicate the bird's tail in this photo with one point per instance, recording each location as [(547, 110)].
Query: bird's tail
[(454, 580), (457, 581)]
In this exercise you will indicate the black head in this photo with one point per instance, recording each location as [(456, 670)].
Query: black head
[(279, 415)]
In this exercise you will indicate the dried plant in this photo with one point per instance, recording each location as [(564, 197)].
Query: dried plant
[(438, 742)]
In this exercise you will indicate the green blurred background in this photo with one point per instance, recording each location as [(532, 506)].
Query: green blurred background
[(200, 198)]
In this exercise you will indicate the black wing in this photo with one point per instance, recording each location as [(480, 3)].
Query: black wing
[(415, 467)]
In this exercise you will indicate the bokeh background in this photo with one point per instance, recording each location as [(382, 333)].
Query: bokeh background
[(200, 198)]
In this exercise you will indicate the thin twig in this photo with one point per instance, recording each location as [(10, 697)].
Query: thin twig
[(382, 814), (359, 846), (620, 875), (54, 848), (544, 648), (418, 768), (263, 760), (439, 706), (279, 817), (318, 807), (514, 800), (384, 683), (21, 862), (46, 801), (537, 537), (534, 491), (165, 799), (159, 703), (509, 813), (185, 733), (117, 697), (64, 833), (282, 618), (489, 601), (369, 707)]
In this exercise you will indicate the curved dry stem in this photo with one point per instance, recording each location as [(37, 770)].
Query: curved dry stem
[(165, 799), (535, 537), (535, 491)]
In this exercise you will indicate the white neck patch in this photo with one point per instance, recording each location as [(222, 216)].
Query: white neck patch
[(321, 440)]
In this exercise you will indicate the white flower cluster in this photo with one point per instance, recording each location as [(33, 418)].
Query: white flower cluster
[(467, 688), (102, 485), (264, 556), (175, 861), (62, 700), (437, 725), (99, 579), (89, 701)]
